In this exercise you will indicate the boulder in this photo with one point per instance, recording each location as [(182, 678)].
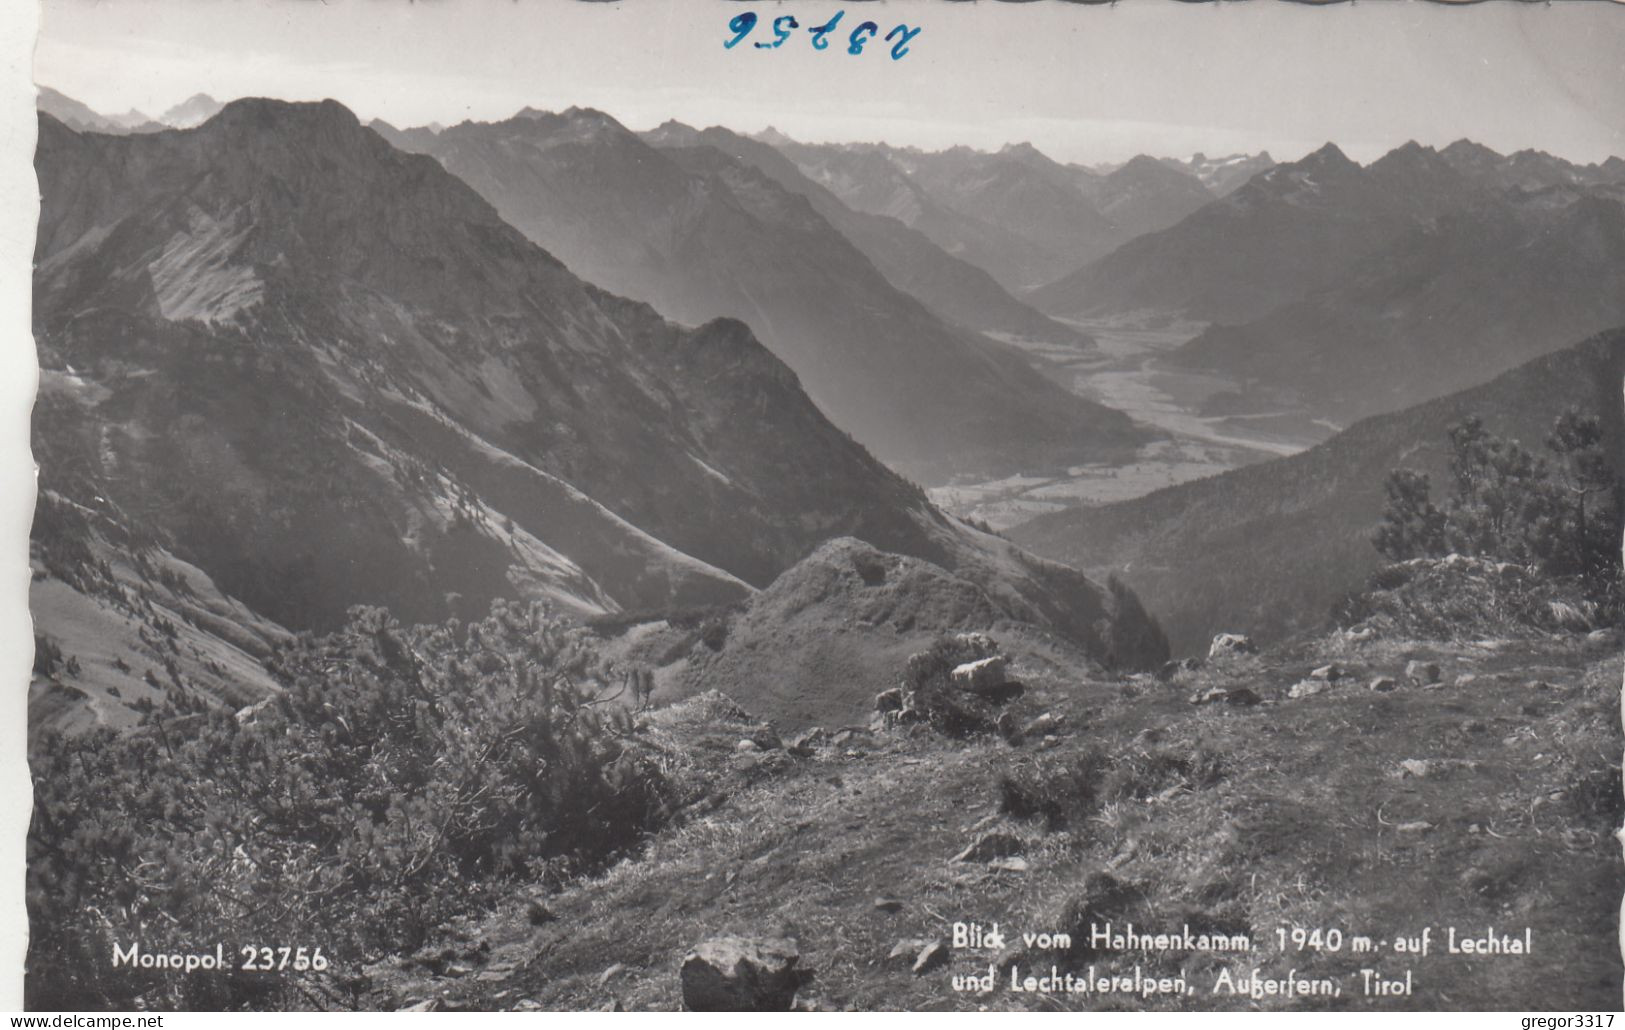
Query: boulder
[(1422, 672), (979, 644), (1308, 688), (746, 744), (980, 675), (890, 700), (1227, 644), (1328, 672), (741, 974), (1383, 684), (932, 956), (1466, 679)]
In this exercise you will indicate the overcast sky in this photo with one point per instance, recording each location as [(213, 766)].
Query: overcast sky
[(1083, 83)]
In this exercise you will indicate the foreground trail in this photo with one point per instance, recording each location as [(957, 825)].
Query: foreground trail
[(1475, 788)]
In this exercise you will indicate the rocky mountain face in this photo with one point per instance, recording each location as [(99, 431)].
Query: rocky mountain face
[(699, 235), (1447, 305), (309, 371), (951, 287), (1270, 548)]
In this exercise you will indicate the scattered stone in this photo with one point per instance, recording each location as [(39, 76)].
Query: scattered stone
[(613, 1005), (1538, 685), (1359, 636), (1383, 684), (1043, 726), (1226, 644), (526, 1005), (1466, 679), (1474, 828), (979, 644), (766, 737), (890, 700), (1597, 637), (1013, 864), (990, 846), (1049, 741), (426, 1005), (1422, 672), (888, 905), (905, 950), (739, 974), (932, 956), (846, 734), (1308, 688), (809, 741), (1230, 696), (609, 974), (1328, 672), (982, 674), (1414, 767), (495, 974), (1418, 826), (746, 744)]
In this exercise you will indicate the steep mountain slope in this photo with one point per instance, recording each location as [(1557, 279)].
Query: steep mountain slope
[(1269, 548), (910, 261), (1147, 195), (865, 178), (1288, 232), (323, 373), (700, 235), (1446, 306), (1020, 190)]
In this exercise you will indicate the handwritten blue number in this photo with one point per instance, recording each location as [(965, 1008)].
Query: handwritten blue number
[(858, 37), (781, 29), (902, 44), (740, 24), (818, 34)]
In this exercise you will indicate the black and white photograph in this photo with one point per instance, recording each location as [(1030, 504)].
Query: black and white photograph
[(824, 505)]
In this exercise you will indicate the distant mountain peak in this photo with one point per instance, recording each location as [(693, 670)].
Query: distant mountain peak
[(773, 137), (1466, 148), (191, 112), (1329, 156)]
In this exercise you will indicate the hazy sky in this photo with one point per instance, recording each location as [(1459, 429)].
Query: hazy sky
[(1083, 83)]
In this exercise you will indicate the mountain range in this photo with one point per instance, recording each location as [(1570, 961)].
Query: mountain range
[(1300, 228), (1021, 215), (700, 234), (311, 371)]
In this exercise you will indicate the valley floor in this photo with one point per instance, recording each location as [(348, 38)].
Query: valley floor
[(1125, 371), (1486, 801)]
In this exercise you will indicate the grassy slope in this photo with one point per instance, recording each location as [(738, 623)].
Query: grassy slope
[(1300, 830)]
